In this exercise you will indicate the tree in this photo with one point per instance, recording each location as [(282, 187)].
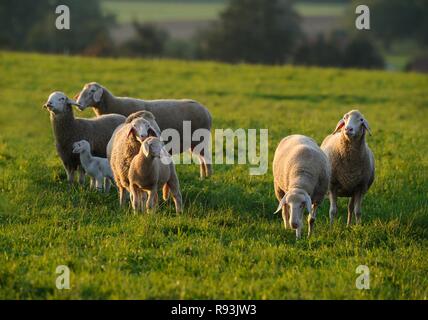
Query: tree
[(397, 19), (26, 26), (255, 31), (321, 52), (362, 53), (149, 41)]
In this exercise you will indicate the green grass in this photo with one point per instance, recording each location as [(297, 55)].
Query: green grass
[(309, 9), (227, 243), (127, 11), (153, 11)]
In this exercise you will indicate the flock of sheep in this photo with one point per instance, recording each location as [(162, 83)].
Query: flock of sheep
[(122, 145)]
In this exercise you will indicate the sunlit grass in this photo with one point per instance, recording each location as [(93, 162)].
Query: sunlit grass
[(227, 243)]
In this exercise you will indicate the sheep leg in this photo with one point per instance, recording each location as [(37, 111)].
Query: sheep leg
[(311, 219), (350, 210), (81, 176), (206, 164), (202, 169), (107, 184), (358, 199), (99, 184), (178, 201), (135, 197), (70, 175), (174, 187), (91, 183), (122, 195), (333, 206), (286, 217), (151, 200)]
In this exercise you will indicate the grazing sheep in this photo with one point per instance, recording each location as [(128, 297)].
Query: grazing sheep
[(170, 114), (125, 146), (67, 129), (352, 163), (301, 176), (151, 169), (95, 167)]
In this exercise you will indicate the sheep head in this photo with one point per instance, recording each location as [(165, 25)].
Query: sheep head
[(353, 125), (152, 147), (59, 103), (142, 129), (81, 146), (90, 95), (296, 200)]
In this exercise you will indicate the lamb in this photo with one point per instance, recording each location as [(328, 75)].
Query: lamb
[(301, 177), (125, 146), (95, 167), (170, 114), (67, 129), (352, 163), (149, 170)]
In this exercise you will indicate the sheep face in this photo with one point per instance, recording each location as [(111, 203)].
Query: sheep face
[(141, 129), (90, 95), (152, 147), (58, 103), (354, 125), (297, 200), (81, 146)]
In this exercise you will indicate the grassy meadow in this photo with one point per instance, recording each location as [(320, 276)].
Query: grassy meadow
[(158, 11), (227, 244)]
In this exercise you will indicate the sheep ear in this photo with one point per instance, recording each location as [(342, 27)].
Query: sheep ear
[(366, 126), (281, 203), (145, 147), (339, 126), (98, 94), (308, 202), (131, 131), (156, 131)]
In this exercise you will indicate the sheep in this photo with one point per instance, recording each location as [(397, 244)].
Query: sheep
[(301, 177), (170, 114), (67, 129), (352, 163), (144, 114), (124, 147), (95, 167), (150, 169)]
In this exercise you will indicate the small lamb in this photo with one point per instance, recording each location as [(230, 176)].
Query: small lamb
[(150, 169), (301, 174), (352, 163), (98, 169)]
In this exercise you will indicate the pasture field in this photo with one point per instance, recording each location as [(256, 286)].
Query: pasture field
[(160, 11), (154, 11), (227, 244)]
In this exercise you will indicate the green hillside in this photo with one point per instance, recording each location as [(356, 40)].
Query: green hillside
[(227, 244)]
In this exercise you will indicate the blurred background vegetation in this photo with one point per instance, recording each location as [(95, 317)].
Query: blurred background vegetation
[(303, 32)]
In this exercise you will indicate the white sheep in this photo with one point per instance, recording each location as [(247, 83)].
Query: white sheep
[(352, 163), (98, 169), (169, 114), (67, 129), (151, 169), (301, 174), (124, 147)]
